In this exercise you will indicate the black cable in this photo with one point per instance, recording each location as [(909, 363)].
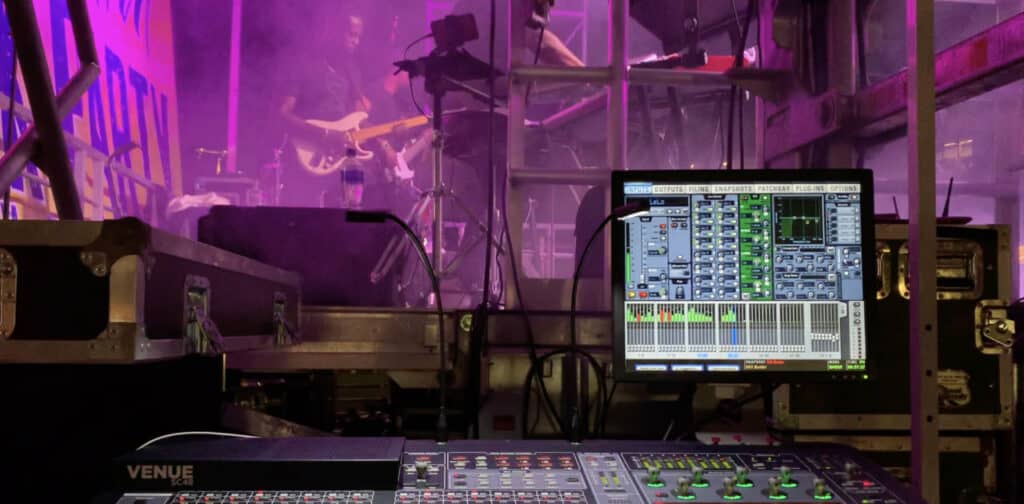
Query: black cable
[(575, 290), (732, 126), (412, 90), (743, 155), (531, 341), (524, 311), (412, 94), (536, 58), (607, 406), (442, 374), (10, 124), (731, 407), (536, 370), (486, 302), (573, 344), (501, 276), (737, 63), (721, 133), (576, 278), (481, 314)]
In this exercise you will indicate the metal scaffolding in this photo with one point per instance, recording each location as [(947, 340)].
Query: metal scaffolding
[(793, 115)]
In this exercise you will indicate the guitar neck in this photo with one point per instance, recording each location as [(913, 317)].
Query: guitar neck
[(417, 148), (387, 128)]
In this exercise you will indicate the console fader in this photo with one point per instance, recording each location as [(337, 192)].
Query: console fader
[(601, 472)]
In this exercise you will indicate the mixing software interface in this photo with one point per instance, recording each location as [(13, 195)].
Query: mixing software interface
[(744, 277)]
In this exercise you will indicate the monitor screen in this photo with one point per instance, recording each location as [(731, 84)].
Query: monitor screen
[(743, 275)]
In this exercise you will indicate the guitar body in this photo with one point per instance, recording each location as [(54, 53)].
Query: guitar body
[(317, 162)]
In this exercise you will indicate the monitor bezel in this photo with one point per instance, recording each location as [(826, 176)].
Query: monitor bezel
[(862, 177)]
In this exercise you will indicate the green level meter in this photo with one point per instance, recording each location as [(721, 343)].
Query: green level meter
[(689, 316)]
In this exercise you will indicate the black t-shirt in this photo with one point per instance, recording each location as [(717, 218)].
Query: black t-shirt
[(324, 90)]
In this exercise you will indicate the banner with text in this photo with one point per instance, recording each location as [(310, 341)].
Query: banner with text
[(134, 100)]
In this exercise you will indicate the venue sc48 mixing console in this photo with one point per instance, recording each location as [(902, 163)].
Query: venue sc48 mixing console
[(598, 472)]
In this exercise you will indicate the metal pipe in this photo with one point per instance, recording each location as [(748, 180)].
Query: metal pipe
[(516, 140), (81, 28), (603, 75), (842, 71), (576, 111), (14, 161), (547, 73), (74, 142), (986, 61), (559, 177), (618, 114), (618, 92), (56, 163), (20, 155), (647, 123), (924, 408), (43, 181), (25, 149), (234, 70), (671, 77)]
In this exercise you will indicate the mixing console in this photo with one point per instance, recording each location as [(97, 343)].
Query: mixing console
[(601, 472)]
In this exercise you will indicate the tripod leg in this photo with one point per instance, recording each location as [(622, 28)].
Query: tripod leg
[(397, 244), (474, 220), (460, 255)]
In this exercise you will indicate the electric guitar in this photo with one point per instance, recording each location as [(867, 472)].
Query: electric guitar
[(316, 160), (401, 171)]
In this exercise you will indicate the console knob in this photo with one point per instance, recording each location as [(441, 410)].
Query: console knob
[(698, 477), (786, 477), (821, 491), (654, 477), (742, 479), (421, 469), (683, 488), (774, 489), (851, 470), (729, 489)]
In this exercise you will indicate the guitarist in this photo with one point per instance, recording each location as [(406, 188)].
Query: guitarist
[(327, 86)]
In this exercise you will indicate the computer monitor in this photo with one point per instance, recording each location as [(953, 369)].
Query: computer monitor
[(744, 276)]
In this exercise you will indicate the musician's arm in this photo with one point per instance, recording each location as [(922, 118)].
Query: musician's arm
[(298, 127), (554, 52)]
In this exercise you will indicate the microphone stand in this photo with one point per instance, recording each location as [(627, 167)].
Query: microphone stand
[(443, 72)]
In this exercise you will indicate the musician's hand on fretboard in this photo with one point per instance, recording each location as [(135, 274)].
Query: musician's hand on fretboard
[(388, 154)]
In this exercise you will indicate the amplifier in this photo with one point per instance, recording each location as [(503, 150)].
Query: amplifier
[(241, 191), (334, 257)]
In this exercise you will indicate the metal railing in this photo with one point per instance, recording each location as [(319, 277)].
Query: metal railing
[(92, 195)]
